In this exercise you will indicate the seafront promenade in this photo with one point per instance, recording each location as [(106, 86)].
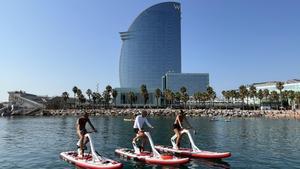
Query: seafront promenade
[(212, 113)]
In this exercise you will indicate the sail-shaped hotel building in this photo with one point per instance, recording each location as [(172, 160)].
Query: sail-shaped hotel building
[(151, 55), (151, 47)]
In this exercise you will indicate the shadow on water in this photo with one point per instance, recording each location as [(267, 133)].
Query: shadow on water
[(210, 163)]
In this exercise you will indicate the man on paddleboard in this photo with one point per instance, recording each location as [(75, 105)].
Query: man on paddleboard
[(81, 131), (178, 126), (138, 127)]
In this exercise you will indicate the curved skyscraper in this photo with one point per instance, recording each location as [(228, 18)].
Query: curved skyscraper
[(151, 47)]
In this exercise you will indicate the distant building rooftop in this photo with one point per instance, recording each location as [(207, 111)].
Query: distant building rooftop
[(269, 83)]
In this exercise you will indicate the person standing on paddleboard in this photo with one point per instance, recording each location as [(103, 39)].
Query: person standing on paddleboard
[(138, 127), (81, 131), (178, 126)]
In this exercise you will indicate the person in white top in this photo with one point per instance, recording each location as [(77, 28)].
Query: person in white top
[(138, 127)]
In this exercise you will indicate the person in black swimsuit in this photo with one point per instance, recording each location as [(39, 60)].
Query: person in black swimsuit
[(81, 131), (178, 126)]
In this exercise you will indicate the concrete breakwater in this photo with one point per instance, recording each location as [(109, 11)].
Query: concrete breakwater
[(129, 113)]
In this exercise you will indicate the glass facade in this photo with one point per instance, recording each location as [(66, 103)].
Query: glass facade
[(194, 82), (151, 47)]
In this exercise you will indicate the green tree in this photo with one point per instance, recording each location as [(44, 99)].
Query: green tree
[(183, 89), (114, 94), (252, 93), (79, 93), (197, 97), (89, 93), (243, 92), (81, 99), (297, 98), (184, 97), (75, 88), (157, 96), (169, 97), (144, 93), (233, 95), (266, 94), (108, 88), (204, 97), (98, 98), (65, 96), (260, 96), (131, 97), (94, 97), (274, 97), (177, 96), (226, 95), (280, 86), (210, 94), (291, 96), (107, 96)]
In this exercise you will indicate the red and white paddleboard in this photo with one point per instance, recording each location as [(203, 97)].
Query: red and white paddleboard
[(195, 154), (149, 158), (88, 162), (194, 151)]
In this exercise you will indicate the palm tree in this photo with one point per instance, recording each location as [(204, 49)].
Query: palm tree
[(260, 96), (131, 98), (279, 86), (65, 96), (204, 97), (107, 95), (183, 89), (297, 98), (75, 88), (291, 96), (107, 98), (177, 96), (78, 93), (157, 96), (274, 97), (213, 98), (243, 92), (172, 97), (285, 96), (94, 97), (81, 98), (144, 93), (266, 94), (108, 88), (114, 94), (89, 93), (252, 92), (168, 97), (233, 95), (210, 93), (226, 95), (184, 97), (98, 98), (197, 97)]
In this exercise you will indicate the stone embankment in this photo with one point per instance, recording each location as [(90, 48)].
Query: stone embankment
[(172, 112)]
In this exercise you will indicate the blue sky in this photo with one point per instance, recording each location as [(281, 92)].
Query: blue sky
[(47, 47)]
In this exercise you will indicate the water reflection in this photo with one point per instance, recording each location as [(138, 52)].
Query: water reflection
[(259, 143)]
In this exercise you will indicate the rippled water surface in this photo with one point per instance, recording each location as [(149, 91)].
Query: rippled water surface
[(35, 142)]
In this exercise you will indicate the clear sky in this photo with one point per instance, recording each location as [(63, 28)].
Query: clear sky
[(47, 47)]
